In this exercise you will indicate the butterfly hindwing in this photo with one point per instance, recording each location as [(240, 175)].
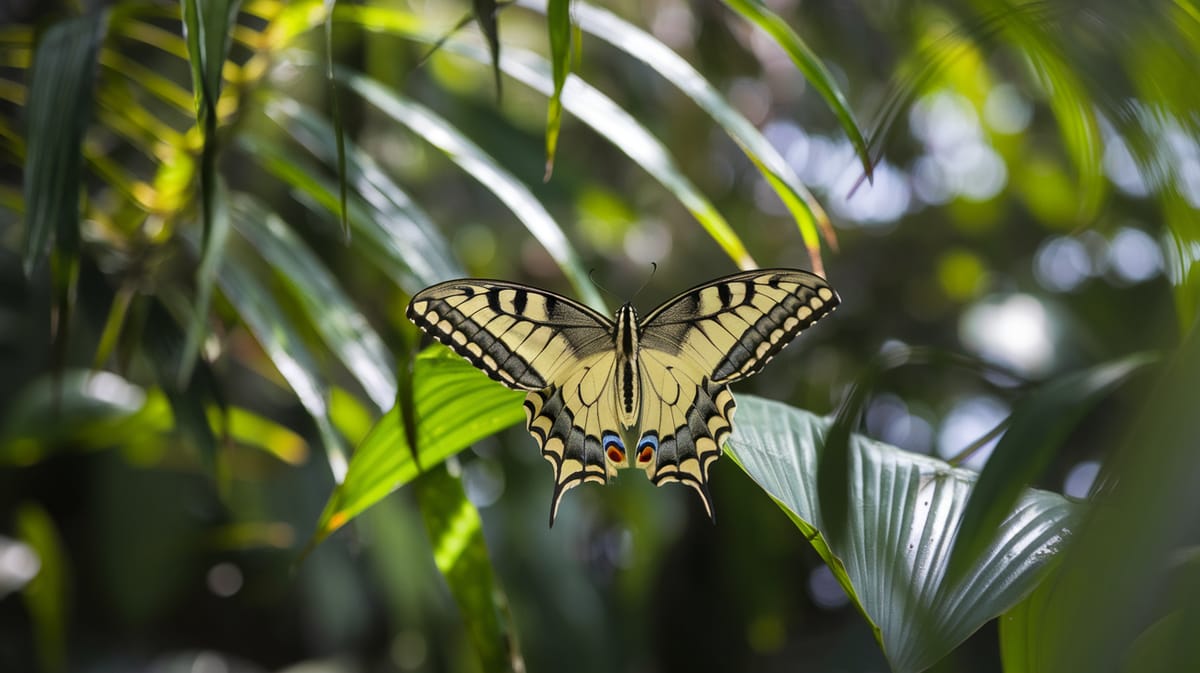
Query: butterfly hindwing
[(518, 335), (573, 423), (685, 422), (731, 327)]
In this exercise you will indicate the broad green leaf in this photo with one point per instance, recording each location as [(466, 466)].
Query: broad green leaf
[(60, 105), (905, 510), (330, 311), (483, 168), (398, 232), (1040, 422), (635, 42), (460, 552), (47, 595), (455, 405), (810, 65), (558, 24), (207, 25)]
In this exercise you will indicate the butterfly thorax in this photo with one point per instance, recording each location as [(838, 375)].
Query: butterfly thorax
[(625, 338)]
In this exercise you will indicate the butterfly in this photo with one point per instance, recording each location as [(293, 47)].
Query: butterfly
[(598, 386)]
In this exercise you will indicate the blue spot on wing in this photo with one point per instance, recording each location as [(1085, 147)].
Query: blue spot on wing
[(610, 439)]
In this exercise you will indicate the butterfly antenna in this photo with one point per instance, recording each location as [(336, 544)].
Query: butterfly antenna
[(653, 268), (592, 277)]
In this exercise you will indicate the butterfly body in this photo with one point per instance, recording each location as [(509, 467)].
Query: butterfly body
[(605, 394)]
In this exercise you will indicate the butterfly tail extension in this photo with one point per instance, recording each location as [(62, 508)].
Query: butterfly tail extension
[(697, 443), (575, 456)]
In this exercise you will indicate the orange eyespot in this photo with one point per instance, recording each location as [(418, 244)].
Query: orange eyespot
[(616, 455), (646, 454)]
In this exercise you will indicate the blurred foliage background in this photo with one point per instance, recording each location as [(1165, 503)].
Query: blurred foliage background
[(198, 326)]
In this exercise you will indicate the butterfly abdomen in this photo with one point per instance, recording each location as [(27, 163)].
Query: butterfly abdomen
[(628, 391)]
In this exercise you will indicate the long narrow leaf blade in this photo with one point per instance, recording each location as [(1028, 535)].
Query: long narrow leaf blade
[(397, 228), (810, 65), (60, 105), (331, 312), (487, 171), (594, 109), (558, 23), (461, 554), (1040, 423), (207, 26), (639, 44)]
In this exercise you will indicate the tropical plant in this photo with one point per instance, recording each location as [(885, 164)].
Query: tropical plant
[(213, 214)]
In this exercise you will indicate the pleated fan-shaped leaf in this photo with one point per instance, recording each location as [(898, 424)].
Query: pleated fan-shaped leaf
[(904, 512)]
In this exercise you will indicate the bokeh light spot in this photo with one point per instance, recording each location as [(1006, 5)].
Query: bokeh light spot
[(824, 589), (1015, 331), (1134, 256), (1006, 110), (409, 650), (1061, 264), (225, 579), (1079, 480), (961, 274), (968, 421)]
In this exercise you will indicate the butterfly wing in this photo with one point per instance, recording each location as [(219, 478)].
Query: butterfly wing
[(575, 424), (701, 340), (523, 337), (558, 350)]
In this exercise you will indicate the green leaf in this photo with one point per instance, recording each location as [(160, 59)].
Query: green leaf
[(1115, 578), (335, 111), (60, 105), (164, 342), (455, 404), (639, 44), (86, 410), (558, 24), (266, 318), (904, 512), (485, 16), (329, 310), (483, 168), (810, 65), (1039, 424), (594, 109), (207, 26), (46, 595), (460, 552), (399, 235), (216, 232)]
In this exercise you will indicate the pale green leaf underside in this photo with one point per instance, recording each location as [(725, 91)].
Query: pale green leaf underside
[(904, 515)]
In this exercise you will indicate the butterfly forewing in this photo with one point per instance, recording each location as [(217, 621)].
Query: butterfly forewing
[(518, 335), (734, 325)]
